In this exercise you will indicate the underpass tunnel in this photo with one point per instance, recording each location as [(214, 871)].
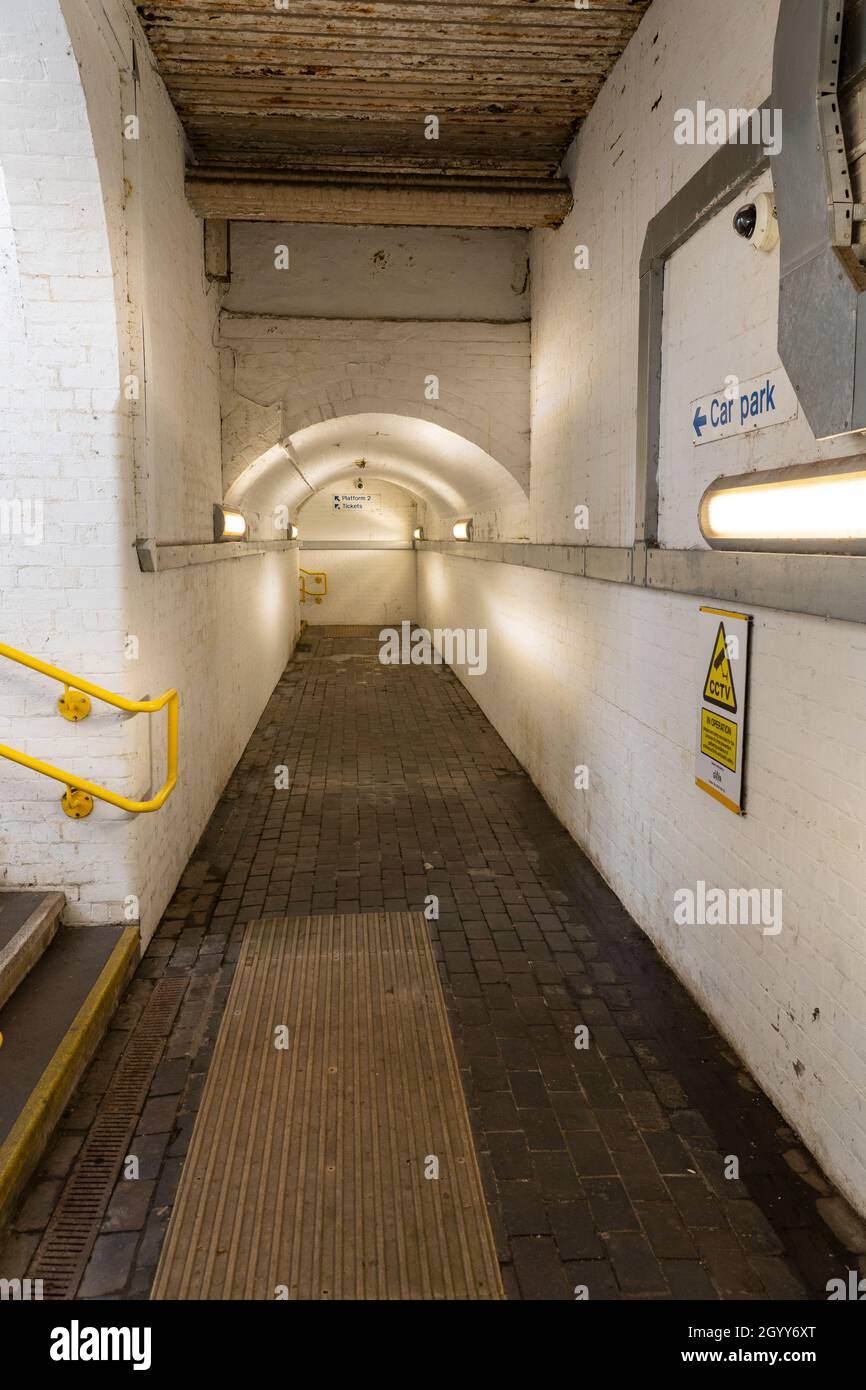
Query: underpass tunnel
[(359, 533), (433, 658), (361, 493)]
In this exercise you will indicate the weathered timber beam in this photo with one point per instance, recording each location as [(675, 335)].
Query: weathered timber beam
[(217, 250), (240, 197)]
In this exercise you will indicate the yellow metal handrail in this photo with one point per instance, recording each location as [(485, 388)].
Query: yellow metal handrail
[(74, 704), (306, 593)]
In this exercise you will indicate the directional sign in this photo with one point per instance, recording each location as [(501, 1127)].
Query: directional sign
[(724, 653), (357, 501), (742, 406)]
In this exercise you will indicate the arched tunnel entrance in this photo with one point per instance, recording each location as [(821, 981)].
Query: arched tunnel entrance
[(363, 493)]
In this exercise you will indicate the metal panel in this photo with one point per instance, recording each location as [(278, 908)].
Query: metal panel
[(799, 170), (821, 275), (718, 181), (818, 332)]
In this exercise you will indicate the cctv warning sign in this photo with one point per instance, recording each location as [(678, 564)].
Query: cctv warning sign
[(719, 685), (724, 656), (719, 739)]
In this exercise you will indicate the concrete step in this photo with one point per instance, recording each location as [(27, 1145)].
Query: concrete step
[(50, 1029), (28, 922)]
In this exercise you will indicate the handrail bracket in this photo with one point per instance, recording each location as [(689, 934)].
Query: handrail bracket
[(74, 704), (77, 804)]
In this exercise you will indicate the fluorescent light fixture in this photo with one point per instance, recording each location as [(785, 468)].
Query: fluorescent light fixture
[(814, 508), (418, 533), (228, 525), (462, 530)]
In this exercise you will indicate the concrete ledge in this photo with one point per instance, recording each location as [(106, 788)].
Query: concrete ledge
[(356, 545), (609, 563), (612, 563), (827, 586), (154, 557), (566, 559), (30, 1133)]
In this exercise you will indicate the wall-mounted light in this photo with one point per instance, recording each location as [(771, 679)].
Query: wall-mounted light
[(418, 533), (462, 530), (293, 533), (814, 508), (228, 525)]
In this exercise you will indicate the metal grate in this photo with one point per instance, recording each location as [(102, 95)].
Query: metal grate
[(71, 1233)]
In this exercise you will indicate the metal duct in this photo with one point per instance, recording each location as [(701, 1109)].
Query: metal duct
[(818, 84)]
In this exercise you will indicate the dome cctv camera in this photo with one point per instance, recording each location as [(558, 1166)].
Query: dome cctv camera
[(756, 223), (745, 221)]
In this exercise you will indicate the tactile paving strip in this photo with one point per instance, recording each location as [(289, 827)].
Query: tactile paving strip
[(332, 1103)]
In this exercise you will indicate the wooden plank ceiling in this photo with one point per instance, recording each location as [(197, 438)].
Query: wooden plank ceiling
[(295, 108)]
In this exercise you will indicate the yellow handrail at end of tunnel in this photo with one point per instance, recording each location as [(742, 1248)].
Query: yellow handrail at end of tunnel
[(320, 576)]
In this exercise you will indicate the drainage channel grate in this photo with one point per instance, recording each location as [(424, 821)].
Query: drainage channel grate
[(71, 1233)]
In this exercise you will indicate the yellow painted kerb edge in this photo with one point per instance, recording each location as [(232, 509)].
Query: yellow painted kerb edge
[(25, 1142)]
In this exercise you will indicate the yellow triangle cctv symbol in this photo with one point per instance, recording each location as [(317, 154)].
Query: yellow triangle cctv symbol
[(719, 685)]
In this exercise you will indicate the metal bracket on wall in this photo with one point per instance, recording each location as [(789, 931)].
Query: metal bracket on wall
[(720, 179)]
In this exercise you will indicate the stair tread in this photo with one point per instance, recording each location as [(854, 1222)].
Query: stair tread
[(34, 1021), (15, 908)]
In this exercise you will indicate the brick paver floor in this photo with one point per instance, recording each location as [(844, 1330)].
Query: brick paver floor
[(603, 1167)]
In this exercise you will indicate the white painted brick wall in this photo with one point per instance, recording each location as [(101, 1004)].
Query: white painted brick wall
[(389, 514), (430, 273), (364, 586), (609, 676), (583, 673), (319, 369), (66, 438), (65, 448)]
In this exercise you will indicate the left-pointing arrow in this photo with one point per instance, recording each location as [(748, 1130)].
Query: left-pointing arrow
[(699, 421)]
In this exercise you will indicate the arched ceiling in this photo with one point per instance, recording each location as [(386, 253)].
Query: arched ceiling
[(453, 476)]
